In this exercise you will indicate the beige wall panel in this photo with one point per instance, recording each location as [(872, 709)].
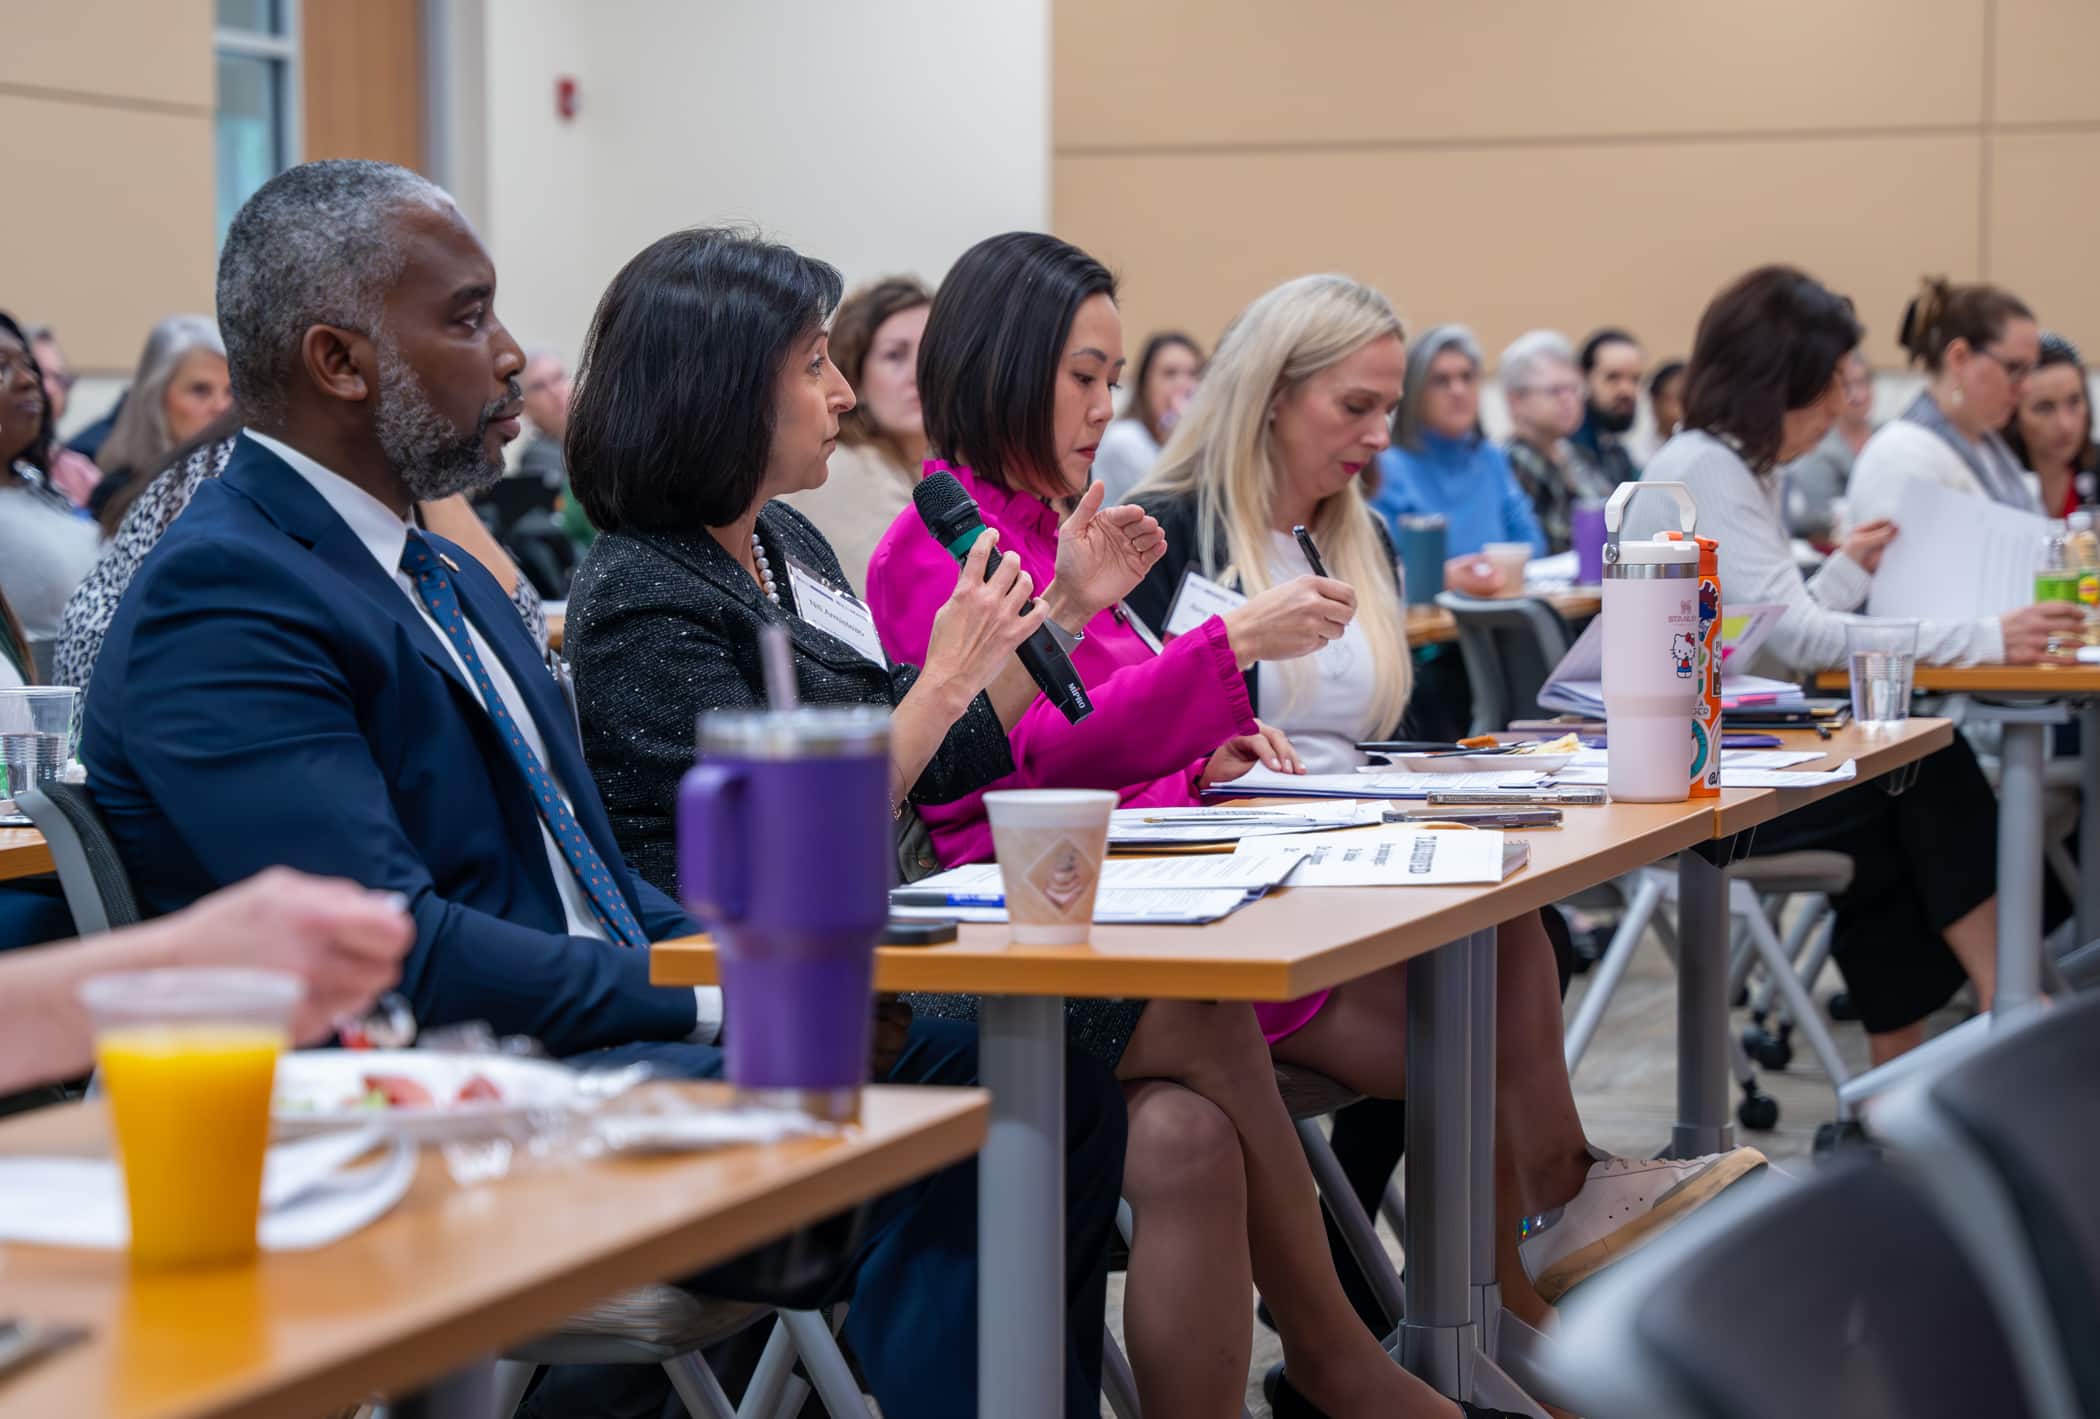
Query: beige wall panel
[(2041, 61), (1363, 71), (126, 236), (363, 80), (2043, 214), (153, 50), (1505, 239)]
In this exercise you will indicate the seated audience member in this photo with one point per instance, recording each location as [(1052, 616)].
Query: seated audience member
[(882, 443), (179, 389), (46, 546), (1296, 402), (704, 392), (2051, 433), (1611, 374), (94, 603), (1920, 913), (345, 944), (1666, 399), (71, 472), (1441, 462), (1978, 344), (547, 396), (1544, 392), (1021, 351), (1168, 370), (1816, 480)]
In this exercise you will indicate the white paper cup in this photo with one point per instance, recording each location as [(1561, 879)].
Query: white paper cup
[(1050, 843)]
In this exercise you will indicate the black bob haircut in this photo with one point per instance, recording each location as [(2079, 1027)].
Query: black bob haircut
[(1768, 344), (988, 360), (1609, 335), (672, 421)]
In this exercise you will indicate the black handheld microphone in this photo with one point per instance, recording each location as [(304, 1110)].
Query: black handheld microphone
[(951, 515)]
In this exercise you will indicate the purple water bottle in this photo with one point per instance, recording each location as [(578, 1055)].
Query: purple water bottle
[(1586, 534), (785, 856)]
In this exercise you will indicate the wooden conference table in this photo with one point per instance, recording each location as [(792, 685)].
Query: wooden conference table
[(1433, 625), (23, 853), (1293, 942), (2025, 700), (445, 1280)]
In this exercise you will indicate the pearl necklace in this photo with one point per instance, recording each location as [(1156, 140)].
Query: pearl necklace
[(765, 570)]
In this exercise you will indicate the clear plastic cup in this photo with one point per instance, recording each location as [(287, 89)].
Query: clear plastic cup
[(188, 1057), (1050, 843), (36, 737), (1510, 559), (1881, 656)]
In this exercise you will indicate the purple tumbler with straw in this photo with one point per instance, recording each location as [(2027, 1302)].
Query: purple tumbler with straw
[(785, 856)]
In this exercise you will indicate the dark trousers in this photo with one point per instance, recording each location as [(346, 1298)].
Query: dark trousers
[(912, 1325)]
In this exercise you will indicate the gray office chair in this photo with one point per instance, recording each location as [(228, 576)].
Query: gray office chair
[(2005, 1143), (1510, 646), (92, 876), (667, 1326), (1841, 1296)]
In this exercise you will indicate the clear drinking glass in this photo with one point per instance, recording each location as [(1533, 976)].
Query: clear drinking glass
[(1882, 655), (36, 738)]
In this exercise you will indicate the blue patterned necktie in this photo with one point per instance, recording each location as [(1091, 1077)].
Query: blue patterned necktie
[(434, 585)]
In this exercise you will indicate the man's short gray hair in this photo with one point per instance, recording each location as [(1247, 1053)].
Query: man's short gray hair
[(1523, 364), (313, 246)]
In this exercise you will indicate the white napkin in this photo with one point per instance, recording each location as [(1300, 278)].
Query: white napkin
[(311, 1197)]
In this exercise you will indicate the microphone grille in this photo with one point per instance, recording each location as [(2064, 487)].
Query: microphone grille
[(944, 505)]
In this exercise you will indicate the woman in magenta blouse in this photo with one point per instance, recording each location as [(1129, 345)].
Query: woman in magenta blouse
[(1016, 373)]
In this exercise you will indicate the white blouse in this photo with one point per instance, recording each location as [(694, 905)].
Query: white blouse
[(1318, 700)]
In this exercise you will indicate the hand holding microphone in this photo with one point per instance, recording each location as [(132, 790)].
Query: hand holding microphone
[(951, 516), (987, 617)]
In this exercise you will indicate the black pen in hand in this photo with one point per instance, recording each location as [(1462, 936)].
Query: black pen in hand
[(1310, 548)]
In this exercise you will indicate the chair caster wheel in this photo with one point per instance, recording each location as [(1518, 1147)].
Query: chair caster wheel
[(1843, 1139), (1757, 1111), (1770, 1051)]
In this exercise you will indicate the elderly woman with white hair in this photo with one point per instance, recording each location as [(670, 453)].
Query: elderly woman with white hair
[(1543, 385), (181, 386)]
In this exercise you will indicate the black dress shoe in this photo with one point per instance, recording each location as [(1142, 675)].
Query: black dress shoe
[(1841, 1007)]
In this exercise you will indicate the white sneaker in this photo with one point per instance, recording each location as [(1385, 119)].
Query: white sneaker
[(1623, 1203)]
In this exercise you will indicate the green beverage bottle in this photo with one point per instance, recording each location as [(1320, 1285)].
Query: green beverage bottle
[(2055, 579)]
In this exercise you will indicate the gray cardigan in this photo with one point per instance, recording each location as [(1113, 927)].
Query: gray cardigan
[(1743, 512)]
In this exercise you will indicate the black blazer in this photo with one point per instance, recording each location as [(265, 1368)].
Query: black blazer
[(662, 628)]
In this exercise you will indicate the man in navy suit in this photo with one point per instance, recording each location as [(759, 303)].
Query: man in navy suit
[(300, 676)]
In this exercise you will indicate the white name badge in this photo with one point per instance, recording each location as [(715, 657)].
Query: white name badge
[(1198, 599), (837, 613)]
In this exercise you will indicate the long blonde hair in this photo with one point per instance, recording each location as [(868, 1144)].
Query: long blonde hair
[(1222, 453)]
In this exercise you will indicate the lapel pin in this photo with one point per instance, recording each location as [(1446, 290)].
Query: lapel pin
[(448, 561)]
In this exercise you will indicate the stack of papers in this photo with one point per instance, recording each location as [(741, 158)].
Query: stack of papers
[(1259, 782), (1740, 768), (1152, 890), (1404, 857), (1576, 685), (1144, 828)]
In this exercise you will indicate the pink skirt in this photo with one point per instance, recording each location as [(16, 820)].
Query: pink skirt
[(1289, 1016)]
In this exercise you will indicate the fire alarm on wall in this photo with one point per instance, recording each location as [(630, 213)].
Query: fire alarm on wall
[(565, 97)]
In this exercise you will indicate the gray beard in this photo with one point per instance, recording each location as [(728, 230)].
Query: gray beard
[(434, 458)]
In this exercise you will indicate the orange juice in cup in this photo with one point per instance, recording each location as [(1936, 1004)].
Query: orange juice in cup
[(188, 1058)]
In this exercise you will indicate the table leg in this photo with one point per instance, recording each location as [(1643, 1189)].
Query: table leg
[(1021, 1211), (1702, 1006), (1437, 1338), (2020, 865), (1487, 1290), (2088, 820)]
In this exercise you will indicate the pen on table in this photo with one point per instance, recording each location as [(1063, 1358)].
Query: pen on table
[(906, 897), (1310, 548)]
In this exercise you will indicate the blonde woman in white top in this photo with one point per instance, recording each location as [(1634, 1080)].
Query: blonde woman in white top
[(1979, 344), (1295, 405)]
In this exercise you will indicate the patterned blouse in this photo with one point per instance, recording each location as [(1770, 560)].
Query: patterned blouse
[(94, 605)]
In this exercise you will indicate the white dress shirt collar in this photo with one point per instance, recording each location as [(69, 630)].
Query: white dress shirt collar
[(371, 521)]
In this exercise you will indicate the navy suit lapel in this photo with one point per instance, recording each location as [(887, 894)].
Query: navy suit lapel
[(287, 500), (503, 631)]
